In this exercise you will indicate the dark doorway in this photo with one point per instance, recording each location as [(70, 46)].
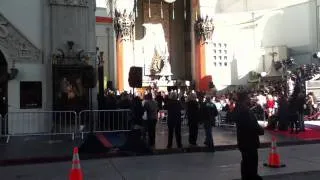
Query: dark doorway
[(3, 88)]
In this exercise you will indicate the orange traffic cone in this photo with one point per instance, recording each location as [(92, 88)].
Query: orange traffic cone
[(76, 171), (274, 157)]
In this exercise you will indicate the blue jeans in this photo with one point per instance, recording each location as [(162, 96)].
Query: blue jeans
[(209, 139)]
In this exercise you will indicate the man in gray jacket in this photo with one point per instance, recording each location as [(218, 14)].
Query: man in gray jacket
[(151, 107)]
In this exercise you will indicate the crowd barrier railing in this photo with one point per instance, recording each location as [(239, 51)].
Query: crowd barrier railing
[(222, 120), (39, 123), (94, 121)]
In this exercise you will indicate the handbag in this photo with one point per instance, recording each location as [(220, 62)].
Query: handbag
[(145, 116)]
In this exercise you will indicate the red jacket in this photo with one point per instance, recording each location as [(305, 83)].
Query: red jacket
[(270, 103)]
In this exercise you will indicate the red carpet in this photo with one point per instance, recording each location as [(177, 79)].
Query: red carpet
[(311, 133)]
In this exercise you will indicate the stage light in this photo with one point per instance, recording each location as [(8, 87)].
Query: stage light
[(289, 62), (316, 55), (263, 74), (169, 1)]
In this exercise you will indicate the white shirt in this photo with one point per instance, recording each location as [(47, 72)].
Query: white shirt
[(218, 106), (262, 100)]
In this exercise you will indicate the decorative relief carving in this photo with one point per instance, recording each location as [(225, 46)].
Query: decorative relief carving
[(71, 55), (3, 29), (204, 28), (15, 44), (124, 25), (81, 3)]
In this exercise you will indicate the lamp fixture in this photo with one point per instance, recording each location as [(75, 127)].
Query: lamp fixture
[(263, 74), (316, 55), (169, 1), (124, 25)]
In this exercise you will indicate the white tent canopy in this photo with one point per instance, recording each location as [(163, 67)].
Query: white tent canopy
[(232, 6)]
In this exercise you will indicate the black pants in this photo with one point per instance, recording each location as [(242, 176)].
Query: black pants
[(152, 131), (294, 122), (249, 164), (301, 121), (193, 133), (176, 128)]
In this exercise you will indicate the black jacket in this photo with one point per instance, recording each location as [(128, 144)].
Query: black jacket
[(193, 111), (174, 112), (248, 129), (137, 112), (208, 111)]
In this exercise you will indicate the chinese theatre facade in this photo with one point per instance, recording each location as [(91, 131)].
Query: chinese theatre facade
[(166, 38), (196, 42)]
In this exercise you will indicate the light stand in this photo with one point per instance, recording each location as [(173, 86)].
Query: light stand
[(101, 81)]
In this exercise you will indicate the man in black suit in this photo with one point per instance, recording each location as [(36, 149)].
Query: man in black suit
[(248, 131)]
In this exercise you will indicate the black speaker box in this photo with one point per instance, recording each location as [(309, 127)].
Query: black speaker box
[(135, 144), (110, 85), (135, 77)]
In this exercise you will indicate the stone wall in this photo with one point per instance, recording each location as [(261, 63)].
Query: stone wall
[(73, 22)]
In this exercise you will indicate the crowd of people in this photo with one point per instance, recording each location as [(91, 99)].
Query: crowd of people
[(200, 108), (282, 111), (285, 112)]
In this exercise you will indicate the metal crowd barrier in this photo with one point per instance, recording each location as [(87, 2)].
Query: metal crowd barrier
[(39, 123), (222, 120), (104, 121)]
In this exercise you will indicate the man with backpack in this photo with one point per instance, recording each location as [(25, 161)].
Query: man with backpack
[(209, 112)]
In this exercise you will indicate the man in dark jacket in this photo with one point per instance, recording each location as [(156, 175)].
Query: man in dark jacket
[(300, 104), (283, 111), (295, 108), (208, 114), (248, 131), (137, 111), (193, 119), (174, 120)]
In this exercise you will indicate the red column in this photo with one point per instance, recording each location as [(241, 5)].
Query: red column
[(202, 79), (119, 53)]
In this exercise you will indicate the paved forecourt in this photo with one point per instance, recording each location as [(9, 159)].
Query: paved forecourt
[(219, 165)]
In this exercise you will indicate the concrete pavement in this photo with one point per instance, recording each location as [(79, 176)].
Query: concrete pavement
[(222, 165), (57, 148), (313, 175)]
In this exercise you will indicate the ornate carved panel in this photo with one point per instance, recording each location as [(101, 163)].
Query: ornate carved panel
[(15, 44), (81, 3), (204, 28), (124, 25)]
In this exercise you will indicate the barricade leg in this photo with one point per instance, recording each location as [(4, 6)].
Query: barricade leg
[(8, 139)]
